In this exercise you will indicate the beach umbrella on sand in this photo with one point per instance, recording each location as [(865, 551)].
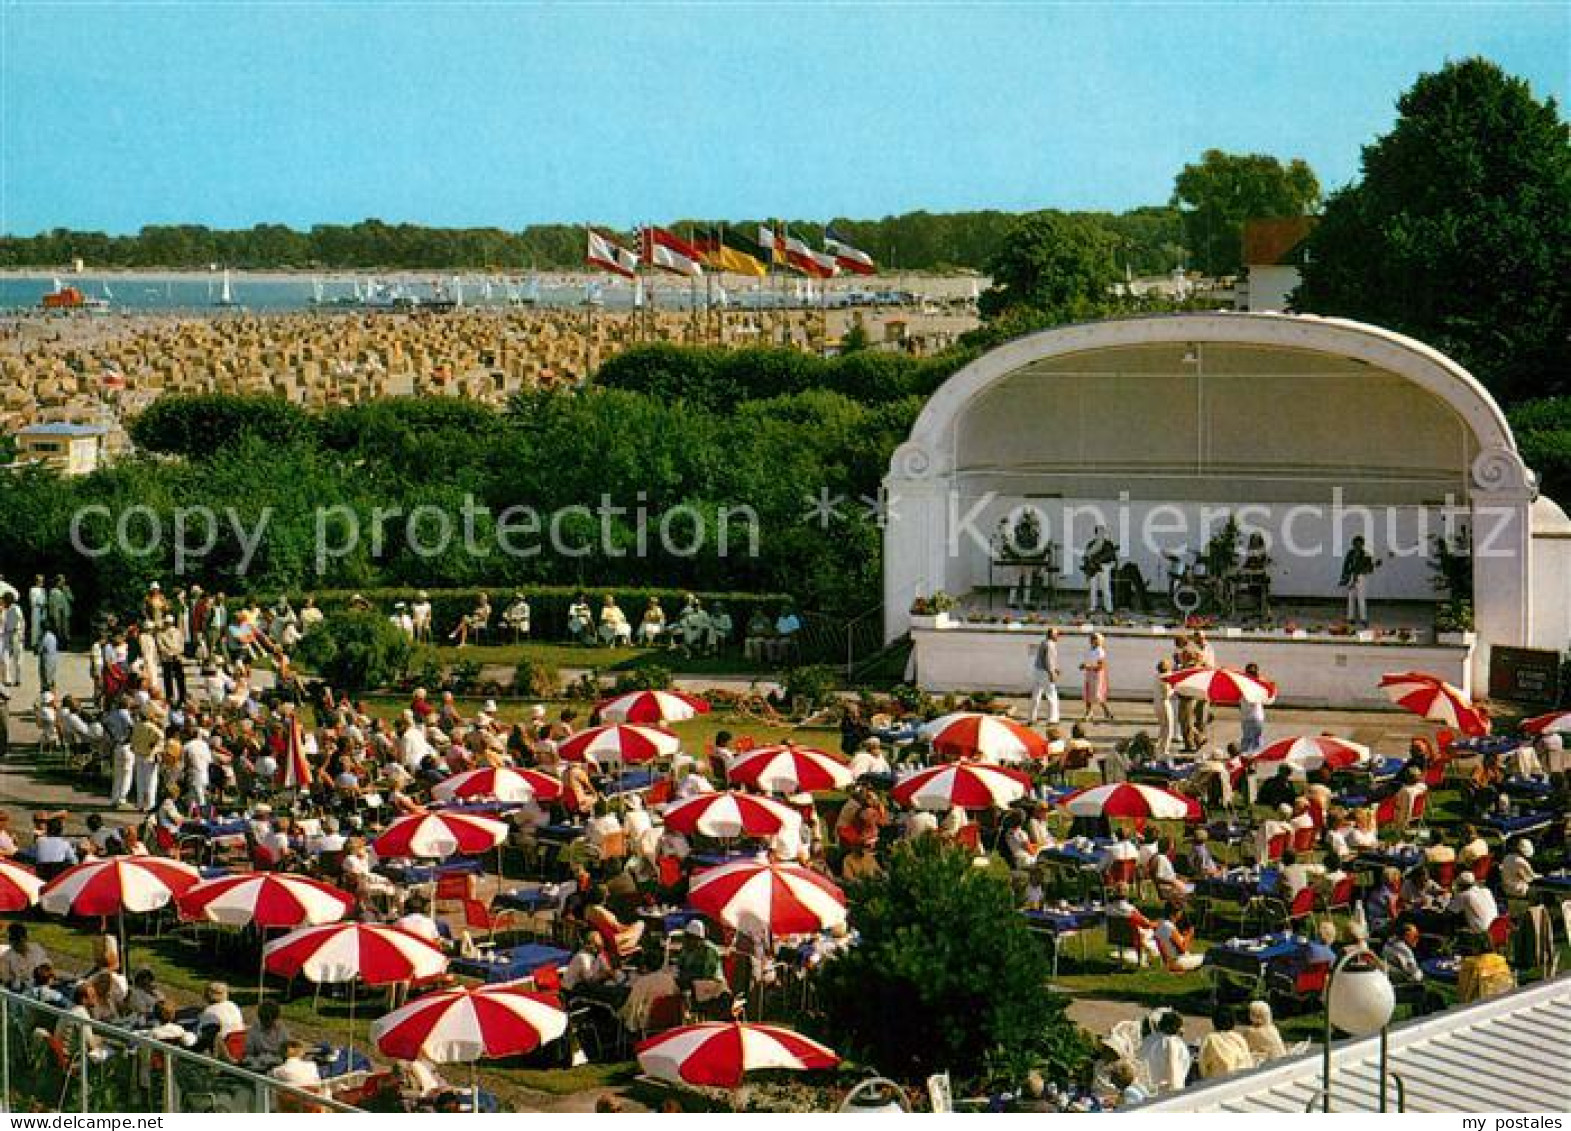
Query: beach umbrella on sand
[(790, 769), (622, 743), (501, 782), (764, 895), (992, 738), (1220, 685), (1432, 698), (1136, 802), (466, 1024), (652, 707), (1309, 752), (439, 835), (969, 785), (727, 815), (717, 1054), (19, 886), (1556, 722)]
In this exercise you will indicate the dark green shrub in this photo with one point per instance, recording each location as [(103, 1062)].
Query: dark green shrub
[(356, 651)]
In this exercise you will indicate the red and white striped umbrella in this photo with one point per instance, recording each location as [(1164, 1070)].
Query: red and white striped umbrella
[(1556, 722), (1220, 685), (501, 782), (375, 953), (992, 738), (266, 899), (1432, 698), (439, 835), (19, 886), (765, 895), (294, 765), (790, 769), (1139, 802), (466, 1024), (717, 1054), (652, 707), (970, 785), (726, 815), (1308, 752), (117, 885), (620, 742)]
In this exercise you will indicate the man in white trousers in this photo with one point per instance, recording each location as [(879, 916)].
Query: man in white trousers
[(1166, 713), (13, 629), (1044, 677)]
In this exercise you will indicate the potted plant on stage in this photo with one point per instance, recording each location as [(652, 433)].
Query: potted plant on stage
[(1221, 558), (932, 611), (1453, 576)]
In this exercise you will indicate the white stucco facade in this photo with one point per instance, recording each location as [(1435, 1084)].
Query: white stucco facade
[(1161, 426)]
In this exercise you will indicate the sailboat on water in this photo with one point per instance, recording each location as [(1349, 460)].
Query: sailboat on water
[(226, 295)]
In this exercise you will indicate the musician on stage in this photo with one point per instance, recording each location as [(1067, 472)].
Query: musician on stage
[(1357, 565), (1101, 554)]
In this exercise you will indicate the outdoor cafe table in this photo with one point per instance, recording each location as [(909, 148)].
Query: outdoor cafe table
[(1075, 854), (559, 834), (1555, 884), (1240, 885), (1531, 788), (1485, 744), (1253, 959), (511, 964), (230, 830), (1445, 970), (477, 808), (1402, 857), (530, 901), (668, 920), (1058, 920), (1517, 824), (406, 874), (1160, 773), (620, 783), (332, 1062)]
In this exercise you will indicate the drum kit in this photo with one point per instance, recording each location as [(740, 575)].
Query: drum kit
[(1193, 588)]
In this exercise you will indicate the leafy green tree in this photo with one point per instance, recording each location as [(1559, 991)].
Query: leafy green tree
[(1223, 190), (198, 425), (911, 999), (1459, 232), (356, 651), (1059, 265)]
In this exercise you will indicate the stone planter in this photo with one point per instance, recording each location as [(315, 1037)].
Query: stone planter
[(1456, 639), (931, 620)]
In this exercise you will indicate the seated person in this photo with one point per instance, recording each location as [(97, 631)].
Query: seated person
[(517, 616), (220, 1012), (621, 939), (296, 1069), (1224, 1050), (1278, 790), (869, 759), (1261, 1034), (1384, 902), (20, 958), (615, 632), (591, 973), (265, 1041), (1160, 871), (1400, 955), (1473, 903), (699, 970), (651, 626), (1144, 930), (1473, 848), (1173, 937), (1201, 860), (1516, 870), (580, 622)]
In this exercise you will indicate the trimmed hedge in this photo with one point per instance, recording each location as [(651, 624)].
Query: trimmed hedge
[(548, 606)]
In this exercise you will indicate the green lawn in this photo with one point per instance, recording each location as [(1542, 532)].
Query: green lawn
[(604, 659)]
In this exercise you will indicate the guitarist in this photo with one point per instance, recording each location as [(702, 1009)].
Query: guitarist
[(1097, 564), (1357, 565)]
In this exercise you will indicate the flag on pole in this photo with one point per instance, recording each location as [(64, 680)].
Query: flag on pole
[(729, 250), (605, 253), (847, 257), (294, 769), (803, 259), (669, 252)]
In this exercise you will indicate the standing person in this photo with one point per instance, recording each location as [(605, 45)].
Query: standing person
[(60, 604), (1044, 678), (1166, 715), (171, 656), (1251, 718), (147, 744), (48, 660), (1357, 565), (37, 611), (1101, 555), (13, 630), (1094, 678)]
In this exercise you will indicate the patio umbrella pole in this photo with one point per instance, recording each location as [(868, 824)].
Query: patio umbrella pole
[(474, 1088)]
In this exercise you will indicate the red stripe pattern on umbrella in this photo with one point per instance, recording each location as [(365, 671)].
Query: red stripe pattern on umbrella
[(969, 785), (1139, 802), (652, 707), (620, 742), (726, 815), (341, 952), (769, 897), (1432, 698), (790, 769), (19, 886), (439, 835), (1556, 722), (992, 738), (118, 885), (266, 899), (466, 1024), (501, 782), (1308, 752), (1220, 685), (717, 1054)]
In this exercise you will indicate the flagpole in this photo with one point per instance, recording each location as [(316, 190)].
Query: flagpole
[(589, 317)]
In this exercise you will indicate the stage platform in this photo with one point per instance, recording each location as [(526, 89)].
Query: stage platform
[(964, 652)]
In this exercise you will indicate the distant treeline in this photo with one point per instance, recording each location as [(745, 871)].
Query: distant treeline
[(1151, 242)]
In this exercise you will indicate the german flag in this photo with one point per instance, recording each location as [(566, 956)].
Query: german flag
[(726, 249)]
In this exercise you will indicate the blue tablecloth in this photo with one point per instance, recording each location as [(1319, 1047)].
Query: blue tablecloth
[(1441, 969), (1240, 886), (215, 830), (527, 900), (1557, 882), (899, 735), (1062, 920), (1528, 787), (1401, 859), (1486, 744), (559, 834), (1518, 824), (428, 873), (715, 859), (513, 963), (633, 780), (1255, 956), (478, 808), (333, 1062), (668, 922), (1155, 771), (1074, 854)]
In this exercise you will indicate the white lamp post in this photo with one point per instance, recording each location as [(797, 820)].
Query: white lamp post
[(1359, 1000)]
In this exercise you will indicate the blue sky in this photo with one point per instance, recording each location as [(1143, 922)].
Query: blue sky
[(120, 114)]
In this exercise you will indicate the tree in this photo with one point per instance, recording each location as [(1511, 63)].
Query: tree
[(912, 999), (1053, 263), (1459, 232), (356, 651), (1226, 189)]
